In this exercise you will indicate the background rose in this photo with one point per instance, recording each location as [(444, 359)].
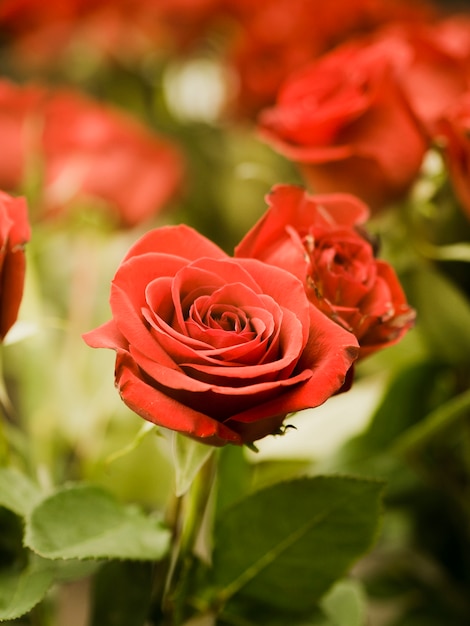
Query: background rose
[(276, 37), (350, 131), (14, 233), (94, 151), (453, 135), (437, 71), (85, 151), (217, 348), (320, 240)]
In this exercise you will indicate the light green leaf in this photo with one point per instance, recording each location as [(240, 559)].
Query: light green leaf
[(345, 604), (287, 544), (88, 522), (17, 492), (188, 456), (21, 591), (452, 252)]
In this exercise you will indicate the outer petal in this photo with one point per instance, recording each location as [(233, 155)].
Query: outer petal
[(161, 409), (15, 232), (179, 240)]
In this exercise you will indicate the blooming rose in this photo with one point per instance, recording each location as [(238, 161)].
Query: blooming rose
[(321, 241), (220, 349), (14, 233), (345, 119), (453, 135)]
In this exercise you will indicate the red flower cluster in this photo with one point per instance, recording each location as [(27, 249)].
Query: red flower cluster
[(86, 150), (14, 233), (218, 348)]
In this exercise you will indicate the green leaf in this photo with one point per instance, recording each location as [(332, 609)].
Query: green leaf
[(451, 252), (437, 421), (88, 522), (21, 591), (345, 604), (287, 544), (17, 492), (410, 395), (188, 456), (443, 315)]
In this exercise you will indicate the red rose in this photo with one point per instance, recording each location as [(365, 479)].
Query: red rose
[(85, 150), (453, 135), (320, 240), (437, 71), (14, 233), (345, 119), (220, 349), (95, 151), (276, 37)]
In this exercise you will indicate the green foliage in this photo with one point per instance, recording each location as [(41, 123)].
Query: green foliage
[(17, 492), (87, 522), (285, 545), (130, 585), (443, 314)]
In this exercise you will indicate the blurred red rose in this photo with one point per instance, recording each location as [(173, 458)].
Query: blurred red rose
[(320, 240), (346, 121), (276, 37), (84, 150), (437, 71), (220, 349), (14, 233), (42, 33), (94, 150), (453, 136)]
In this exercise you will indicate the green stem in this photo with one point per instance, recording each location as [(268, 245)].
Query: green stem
[(192, 516)]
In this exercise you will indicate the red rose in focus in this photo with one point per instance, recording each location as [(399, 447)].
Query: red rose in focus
[(220, 349), (346, 121), (95, 151), (14, 233), (320, 240), (453, 135)]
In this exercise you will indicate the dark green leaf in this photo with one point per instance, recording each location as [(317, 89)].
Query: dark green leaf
[(121, 594), (287, 544), (443, 315)]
